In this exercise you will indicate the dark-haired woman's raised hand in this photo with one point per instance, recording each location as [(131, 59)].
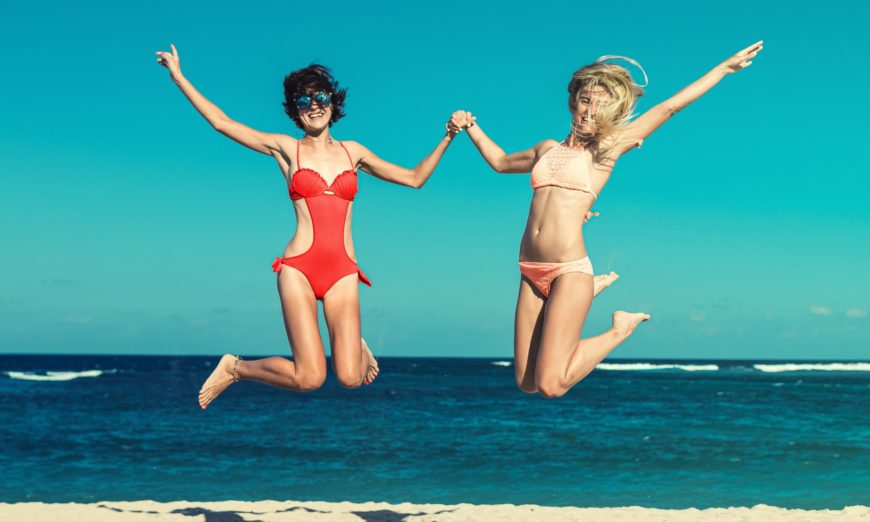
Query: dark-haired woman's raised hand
[(170, 61), (452, 128), (742, 59), (263, 142)]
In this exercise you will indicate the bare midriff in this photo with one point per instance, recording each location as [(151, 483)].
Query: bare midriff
[(554, 230)]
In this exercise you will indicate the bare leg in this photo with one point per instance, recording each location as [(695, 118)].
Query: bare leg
[(351, 357), (527, 328), (589, 352), (564, 360), (527, 335), (308, 369)]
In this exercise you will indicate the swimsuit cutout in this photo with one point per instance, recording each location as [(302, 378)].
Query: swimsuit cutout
[(558, 167), (327, 260)]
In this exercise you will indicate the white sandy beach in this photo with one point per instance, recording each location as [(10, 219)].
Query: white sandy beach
[(272, 511)]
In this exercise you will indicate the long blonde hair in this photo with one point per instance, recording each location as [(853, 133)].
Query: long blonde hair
[(610, 117)]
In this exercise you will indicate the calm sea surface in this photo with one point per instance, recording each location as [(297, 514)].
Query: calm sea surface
[(667, 434)]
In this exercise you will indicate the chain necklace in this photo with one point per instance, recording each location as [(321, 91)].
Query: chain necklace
[(327, 140)]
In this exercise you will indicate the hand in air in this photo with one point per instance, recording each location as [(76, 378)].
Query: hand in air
[(460, 120), (170, 61), (589, 215), (742, 59)]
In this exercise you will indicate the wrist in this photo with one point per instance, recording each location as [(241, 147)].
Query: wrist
[(722, 70)]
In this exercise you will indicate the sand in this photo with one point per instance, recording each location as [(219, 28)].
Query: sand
[(272, 511)]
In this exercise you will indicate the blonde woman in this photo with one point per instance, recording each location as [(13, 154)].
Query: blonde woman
[(557, 283), (319, 262)]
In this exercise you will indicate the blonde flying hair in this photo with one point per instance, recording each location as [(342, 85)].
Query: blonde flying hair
[(608, 118)]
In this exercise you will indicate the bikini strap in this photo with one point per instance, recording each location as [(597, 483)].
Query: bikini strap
[(298, 165), (352, 167)]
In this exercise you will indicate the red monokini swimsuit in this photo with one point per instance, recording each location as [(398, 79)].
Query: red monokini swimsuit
[(327, 260)]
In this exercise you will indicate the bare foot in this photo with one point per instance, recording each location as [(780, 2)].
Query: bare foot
[(600, 282), (218, 381), (626, 322), (373, 369)]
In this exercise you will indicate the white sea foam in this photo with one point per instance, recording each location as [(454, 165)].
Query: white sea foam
[(648, 366), (502, 363), (55, 376), (815, 367)]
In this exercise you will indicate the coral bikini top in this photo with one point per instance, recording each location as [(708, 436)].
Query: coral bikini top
[(308, 183), (562, 167)]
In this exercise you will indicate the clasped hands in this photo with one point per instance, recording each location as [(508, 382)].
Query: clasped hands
[(460, 120)]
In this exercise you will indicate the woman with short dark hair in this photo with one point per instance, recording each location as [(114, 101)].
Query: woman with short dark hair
[(319, 262)]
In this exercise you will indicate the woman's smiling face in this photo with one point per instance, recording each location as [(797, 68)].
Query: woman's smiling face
[(318, 114)]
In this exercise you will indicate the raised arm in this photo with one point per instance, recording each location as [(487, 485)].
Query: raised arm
[(263, 142), (516, 163), (393, 173), (648, 122)]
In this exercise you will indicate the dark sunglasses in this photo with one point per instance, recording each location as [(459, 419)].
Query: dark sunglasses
[(323, 99)]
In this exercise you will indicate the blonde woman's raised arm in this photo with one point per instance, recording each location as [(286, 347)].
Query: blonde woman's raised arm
[(648, 122), (516, 163)]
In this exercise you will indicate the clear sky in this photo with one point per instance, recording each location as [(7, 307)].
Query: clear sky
[(129, 226)]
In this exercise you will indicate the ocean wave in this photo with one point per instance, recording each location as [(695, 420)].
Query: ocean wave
[(502, 363), (816, 367), (648, 366), (55, 376)]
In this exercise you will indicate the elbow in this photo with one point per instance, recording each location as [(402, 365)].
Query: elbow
[(417, 180), (220, 124), (500, 164)]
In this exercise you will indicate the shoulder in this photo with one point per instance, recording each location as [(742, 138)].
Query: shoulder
[(604, 154), (285, 142), (354, 147), (542, 147), (357, 150)]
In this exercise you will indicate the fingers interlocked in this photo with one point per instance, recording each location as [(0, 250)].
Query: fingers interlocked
[(460, 120)]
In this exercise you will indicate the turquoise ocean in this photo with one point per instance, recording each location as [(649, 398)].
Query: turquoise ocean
[(654, 433)]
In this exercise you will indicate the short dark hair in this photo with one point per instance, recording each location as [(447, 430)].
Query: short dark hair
[(309, 80)]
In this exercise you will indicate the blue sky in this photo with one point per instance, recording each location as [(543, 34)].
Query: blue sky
[(129, 226)]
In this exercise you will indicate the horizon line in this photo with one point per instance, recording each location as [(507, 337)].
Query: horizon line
[(68, 354)]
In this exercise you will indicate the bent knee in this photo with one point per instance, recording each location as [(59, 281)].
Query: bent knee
[(551, 389), (311, 381), (349, 379), (350, 383)]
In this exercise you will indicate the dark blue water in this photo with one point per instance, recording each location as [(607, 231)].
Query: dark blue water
[(436, 430)]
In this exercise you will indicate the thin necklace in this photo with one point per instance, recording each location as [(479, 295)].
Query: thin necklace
[(327, 140)]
